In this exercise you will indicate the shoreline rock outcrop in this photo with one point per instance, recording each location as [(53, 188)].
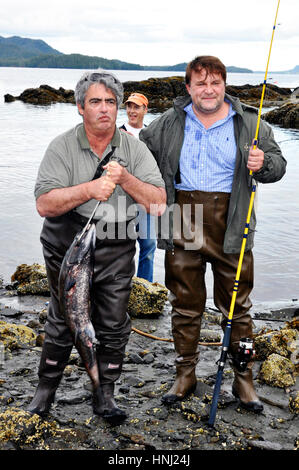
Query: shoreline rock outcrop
[(286, 116), (160, 91), (43, 95)]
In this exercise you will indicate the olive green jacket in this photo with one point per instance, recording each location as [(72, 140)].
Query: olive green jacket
[(164, 138)]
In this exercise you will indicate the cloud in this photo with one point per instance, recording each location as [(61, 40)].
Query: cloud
[(162, 32)]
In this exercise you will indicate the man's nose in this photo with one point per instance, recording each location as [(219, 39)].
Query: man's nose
[(209, 88), (103, 106)]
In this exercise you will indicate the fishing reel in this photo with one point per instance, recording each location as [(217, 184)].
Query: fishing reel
[(244, 354)]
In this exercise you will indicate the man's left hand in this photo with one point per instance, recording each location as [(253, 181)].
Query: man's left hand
[(117, 173), (255, 159)]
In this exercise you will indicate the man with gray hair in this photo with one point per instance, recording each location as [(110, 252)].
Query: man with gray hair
[(93, 162)]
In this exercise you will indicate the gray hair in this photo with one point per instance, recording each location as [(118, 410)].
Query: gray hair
[(106, 78)]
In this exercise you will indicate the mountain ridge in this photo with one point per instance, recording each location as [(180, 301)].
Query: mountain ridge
[(16, 51)]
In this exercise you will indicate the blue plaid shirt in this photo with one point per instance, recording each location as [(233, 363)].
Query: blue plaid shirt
[(207, 160)]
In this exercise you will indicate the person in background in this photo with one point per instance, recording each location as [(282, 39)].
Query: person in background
[(136, 108), (67, 188), (203, 146)]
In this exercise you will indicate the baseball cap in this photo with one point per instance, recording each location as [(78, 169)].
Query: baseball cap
[(138, 99)]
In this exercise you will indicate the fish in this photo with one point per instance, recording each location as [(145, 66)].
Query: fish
[(74, 284)]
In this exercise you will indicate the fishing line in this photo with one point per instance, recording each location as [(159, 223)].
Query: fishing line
[(287, 140), (227, 332)]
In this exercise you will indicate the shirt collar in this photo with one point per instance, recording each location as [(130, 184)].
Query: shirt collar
[(231, 112), (84, 142)]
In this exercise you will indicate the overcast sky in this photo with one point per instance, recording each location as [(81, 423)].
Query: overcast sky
[(162, 32)]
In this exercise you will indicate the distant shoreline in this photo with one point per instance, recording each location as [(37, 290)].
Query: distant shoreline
[(232, 69), (18, 51)]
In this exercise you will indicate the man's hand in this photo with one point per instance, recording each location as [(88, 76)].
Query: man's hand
[(61, 200), (116, 172), (255, 159), (153, 198), (101, 188)]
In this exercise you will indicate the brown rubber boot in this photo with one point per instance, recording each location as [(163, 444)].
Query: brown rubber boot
[(243, 387), (186, 333), (184, 278), (185, 382)]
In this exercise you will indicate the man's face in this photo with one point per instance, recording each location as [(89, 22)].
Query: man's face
[(100, 109), (207, 91), (135, 114)]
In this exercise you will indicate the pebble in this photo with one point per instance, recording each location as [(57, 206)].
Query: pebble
[(134, 358), (148, 359), (265, 445)]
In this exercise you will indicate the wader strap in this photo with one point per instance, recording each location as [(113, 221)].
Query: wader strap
[(103, 162), (99, 171)]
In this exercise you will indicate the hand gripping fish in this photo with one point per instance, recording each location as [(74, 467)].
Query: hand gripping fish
[(75, 281)]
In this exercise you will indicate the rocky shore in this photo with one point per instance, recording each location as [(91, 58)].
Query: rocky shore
[(162, 91), (148, 372)]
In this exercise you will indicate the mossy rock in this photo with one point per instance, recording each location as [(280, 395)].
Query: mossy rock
[(31, 279), (29, 273), (294, 403), (24, 429), (283, 342), (146, 298), (285, 116), (15, 336), (39, 287), (277, 371)]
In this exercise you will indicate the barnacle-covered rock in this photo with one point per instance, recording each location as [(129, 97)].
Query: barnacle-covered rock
[(146, 298), (31, 279), (277, 371), (39, 287), (14, 336), (29, 272), (26, 431), (23, 428), (283, 342), (294, 403), (43, 95), (285, 116), (210, 336)]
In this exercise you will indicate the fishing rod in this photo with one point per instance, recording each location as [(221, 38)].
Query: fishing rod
[(98, 173), (88, 223), (227, 332)]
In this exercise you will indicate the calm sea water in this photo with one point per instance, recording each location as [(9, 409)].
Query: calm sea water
[(26, 130)]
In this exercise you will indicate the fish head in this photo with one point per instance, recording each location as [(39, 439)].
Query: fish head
[(82, 245)]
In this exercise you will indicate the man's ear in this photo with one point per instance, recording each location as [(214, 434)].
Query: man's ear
[(188, 88), (80, 109)]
